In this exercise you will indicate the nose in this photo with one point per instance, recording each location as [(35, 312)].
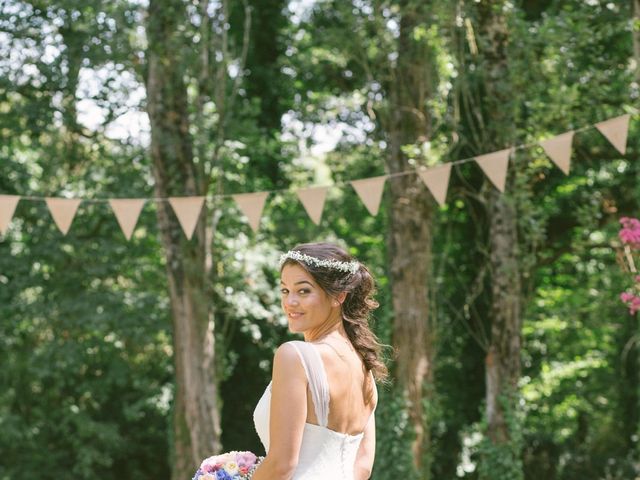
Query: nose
[(290, 300)]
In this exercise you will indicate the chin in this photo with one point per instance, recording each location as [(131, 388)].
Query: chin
[(294, 329)]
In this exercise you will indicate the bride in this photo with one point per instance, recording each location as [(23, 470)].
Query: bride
[(316, 417)]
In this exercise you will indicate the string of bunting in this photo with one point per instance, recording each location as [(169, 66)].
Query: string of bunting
[(187, 209)]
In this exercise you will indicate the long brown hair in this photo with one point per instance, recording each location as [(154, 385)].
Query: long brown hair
[(358, 304)]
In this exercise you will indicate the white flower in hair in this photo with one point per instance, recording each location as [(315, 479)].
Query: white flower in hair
[(351, 267)]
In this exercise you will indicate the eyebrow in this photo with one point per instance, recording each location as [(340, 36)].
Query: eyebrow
[(297, 283)]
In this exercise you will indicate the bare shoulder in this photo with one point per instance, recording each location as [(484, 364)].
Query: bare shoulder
[(285, 350), (286, 361)]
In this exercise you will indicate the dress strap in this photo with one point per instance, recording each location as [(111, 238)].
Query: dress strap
[(318, 383)]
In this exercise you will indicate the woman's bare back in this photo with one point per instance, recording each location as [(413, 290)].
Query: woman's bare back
[(351, 390)]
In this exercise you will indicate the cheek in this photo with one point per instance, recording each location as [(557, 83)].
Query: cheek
[(283, 302), (316, 302)]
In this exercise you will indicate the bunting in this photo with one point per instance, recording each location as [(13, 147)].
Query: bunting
[(437, 181), (127, 212), (494, 165), (187, 209), (616, 130), (252, 205), (369, 190), (63, 210), (8, 205), (313, 201), (559, 150)]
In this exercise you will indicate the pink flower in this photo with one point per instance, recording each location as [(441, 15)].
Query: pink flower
[(630, 231), (246, 459), (632, 301), (212, 464), (626, 297)]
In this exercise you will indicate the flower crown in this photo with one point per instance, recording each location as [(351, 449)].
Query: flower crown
[(351, 267)]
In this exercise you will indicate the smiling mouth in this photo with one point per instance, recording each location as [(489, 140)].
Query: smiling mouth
[(295, 314)]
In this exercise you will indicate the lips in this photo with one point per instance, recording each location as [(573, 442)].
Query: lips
[(295, 314)]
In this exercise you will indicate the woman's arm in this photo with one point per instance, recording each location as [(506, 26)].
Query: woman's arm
[(268, 470), (287, 416), (367, 450)]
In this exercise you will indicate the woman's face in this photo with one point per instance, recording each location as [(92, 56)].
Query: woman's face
[(306, 305)]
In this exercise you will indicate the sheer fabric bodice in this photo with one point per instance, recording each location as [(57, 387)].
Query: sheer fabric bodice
[(324, 453)]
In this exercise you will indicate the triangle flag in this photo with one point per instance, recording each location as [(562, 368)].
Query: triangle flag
[(437, 181), (252, 205), (8, 205), (495, 165), (616, 131), (187, 209), (127, 211), (313, 201), (559, 150), (370, 192), (63, 210)]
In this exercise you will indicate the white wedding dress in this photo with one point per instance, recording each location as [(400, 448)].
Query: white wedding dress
[(324, 453)]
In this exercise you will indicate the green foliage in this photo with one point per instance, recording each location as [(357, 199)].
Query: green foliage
[(393, 455), (502, 461), (86, 348), (85, 335)]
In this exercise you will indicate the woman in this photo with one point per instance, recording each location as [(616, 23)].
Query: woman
[(316, 417)]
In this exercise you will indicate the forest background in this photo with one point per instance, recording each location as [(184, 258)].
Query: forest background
[(134, 359)]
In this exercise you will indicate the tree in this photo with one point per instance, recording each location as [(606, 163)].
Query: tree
[(177, 173), (406, 122), (635, 32), (494, 120), (196, 431), (390, 52)]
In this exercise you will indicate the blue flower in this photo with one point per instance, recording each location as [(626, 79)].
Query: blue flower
[(223, 475), (199, 472)]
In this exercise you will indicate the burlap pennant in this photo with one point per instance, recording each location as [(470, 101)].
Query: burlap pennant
[(313, 201), (616, 130), (63, 210), (370, 192), (187, 209), (8, 205), (127, 211), (494, 165), (559, 150), (252, 205), (437, 181)]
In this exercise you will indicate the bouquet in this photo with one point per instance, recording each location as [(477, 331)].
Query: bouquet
[(228, 466)]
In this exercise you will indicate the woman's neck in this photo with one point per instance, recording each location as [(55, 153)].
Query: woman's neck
[(330, 330)]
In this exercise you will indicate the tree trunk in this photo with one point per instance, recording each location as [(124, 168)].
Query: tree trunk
[(503, 356), (411, 212), (410, 256), (636, 36), (195, 411)]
